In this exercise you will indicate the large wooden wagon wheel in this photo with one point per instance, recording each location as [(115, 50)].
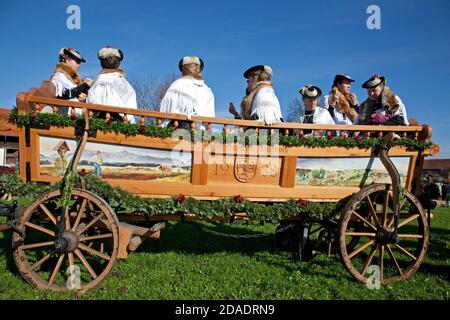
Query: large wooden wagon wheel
[(367, 235), (87, 252)]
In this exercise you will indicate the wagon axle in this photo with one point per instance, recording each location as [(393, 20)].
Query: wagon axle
[(386, 235), (68, 242)]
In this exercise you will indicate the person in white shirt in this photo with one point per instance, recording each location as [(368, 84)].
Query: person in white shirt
[(342, 104), (313, 113), (110, 87), (382, 105), (260, 102), (189, 95), (68, 84)]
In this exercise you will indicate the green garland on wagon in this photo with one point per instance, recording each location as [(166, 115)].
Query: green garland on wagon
[(124, 202), (46, 120)]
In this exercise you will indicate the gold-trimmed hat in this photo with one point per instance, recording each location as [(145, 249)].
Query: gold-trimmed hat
[(72, 53), (310, 91), (265, 68), (374, 81)]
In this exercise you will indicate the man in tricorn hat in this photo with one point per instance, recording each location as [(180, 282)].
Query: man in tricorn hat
[(189, 95), (260, 102), (110, 87), (382, 105), (65, 78), (341, 103)]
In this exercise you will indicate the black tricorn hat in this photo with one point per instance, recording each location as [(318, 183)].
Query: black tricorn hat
[(309, 91), (190, 60), (341, 77), (72, 53), (265, 68), (374, 81)]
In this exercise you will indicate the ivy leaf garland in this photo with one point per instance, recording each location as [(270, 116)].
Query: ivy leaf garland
[(124, 202)]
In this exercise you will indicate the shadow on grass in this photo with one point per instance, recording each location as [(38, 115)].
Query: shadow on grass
[(6, 251)]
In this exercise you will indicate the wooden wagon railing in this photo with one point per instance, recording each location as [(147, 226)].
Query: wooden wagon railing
[(205, 182)]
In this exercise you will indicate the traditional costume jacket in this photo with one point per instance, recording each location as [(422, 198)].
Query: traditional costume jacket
[(111, 88), (190, 97), (389, 110), (262, 104)]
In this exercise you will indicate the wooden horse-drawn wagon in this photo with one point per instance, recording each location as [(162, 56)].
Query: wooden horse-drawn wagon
[(369, 174)]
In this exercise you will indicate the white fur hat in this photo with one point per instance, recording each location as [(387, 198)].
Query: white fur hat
[(190, 60), (109, 51)]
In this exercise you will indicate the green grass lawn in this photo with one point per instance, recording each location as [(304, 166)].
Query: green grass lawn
[(188, 263)]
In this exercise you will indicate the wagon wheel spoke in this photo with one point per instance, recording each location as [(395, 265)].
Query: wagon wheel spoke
[(36, 245), (39, 228), (386, 206), (85, 263), (364, 246), (394, 259), (79, 214), (406, 221), (391, 222), (410, 236), (67, 218), (405, 251), (37, 264), (361, 234), (71, 265), (97, 237), (364, 220), (56, 270), (373, 212), (48, 213), (90, 224), (93, 252), (369, 259), (381, 263)]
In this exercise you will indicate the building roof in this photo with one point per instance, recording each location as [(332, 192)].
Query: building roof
[(436, 164)]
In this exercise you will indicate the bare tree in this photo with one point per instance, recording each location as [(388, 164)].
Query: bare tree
[(295, 110), (150, 91)]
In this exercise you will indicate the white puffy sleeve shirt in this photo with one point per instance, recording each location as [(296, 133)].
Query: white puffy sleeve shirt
[(189, 97), (266, 106), (114, 90)]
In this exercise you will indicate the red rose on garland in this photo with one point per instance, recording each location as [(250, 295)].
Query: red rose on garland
[(82, 173), (238, 199), (301, 203), (181, 198), (141, 128)]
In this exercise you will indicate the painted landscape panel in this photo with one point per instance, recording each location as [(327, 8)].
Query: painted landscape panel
[(115, 161), (347, 172)]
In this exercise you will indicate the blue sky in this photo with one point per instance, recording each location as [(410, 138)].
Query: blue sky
[(303, 41)]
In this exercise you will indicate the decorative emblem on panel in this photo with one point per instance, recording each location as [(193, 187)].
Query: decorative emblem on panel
[(222, 169), (245, 168), (269, 169)]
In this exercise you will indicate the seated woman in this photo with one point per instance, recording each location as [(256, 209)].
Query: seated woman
[(313, 113), (260, 102), (188, 95), (65, 78), (341, 103), (110, 87), (382, 105)]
